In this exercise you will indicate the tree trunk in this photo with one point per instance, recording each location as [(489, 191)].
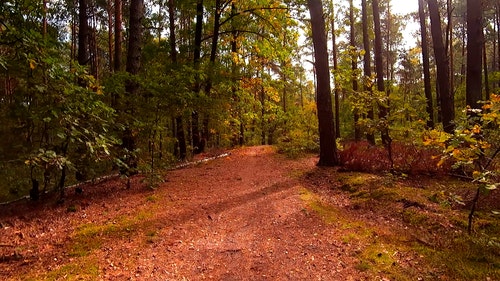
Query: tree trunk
[(486, 73), (354, 66), (109, 10), (132, 87), (205, 136), (426, 65), (379, 67), (367, 68), (135, 37), (195, 128), (497, 24), (335, 70), (83, 33), (473, 90), (450, 52), (442, 64), (328, 149), (181, 149), (118, 36), (239, 139), (44, 19)]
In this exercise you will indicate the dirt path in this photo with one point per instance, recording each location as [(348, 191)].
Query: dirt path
[(236, 218), (254, 215)]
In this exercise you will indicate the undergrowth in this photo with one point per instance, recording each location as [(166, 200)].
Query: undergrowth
[(424, 234), (410, 159)]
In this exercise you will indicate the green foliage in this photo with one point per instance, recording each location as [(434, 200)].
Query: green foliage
[(474, 144), (300, 134), (473, 148)]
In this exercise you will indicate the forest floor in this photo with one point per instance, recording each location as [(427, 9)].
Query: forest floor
[(254, 215)]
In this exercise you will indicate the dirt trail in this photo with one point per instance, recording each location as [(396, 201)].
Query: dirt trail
[(235, 218)]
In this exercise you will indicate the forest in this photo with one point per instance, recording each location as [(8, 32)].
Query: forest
[(98, 88)]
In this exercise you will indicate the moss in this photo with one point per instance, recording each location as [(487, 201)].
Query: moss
[(414, 217), (328, 214), (75, 271), (467, 258), (152, 198)]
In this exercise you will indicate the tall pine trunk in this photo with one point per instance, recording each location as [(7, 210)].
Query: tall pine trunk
[(426, 65), (118, 36), (83, 33), (379, 68), (367, 68), (473, 90), (180, 150), (354, 66), (195, 118), (205, 132), (335, 71), (443, 69), (328, 149), (132, 87)]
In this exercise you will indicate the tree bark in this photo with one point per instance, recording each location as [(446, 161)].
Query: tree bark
[(109, 10), (83, 33), (181, 149), (132, 87), (328, 149), (473, 89), (367, 68), (205, 136), (426, 65), (450, 52), (118, 36), (335, 70), (354, 66), (379, 68), (195, 128), (239, 139), (486, 73), (442, 64)]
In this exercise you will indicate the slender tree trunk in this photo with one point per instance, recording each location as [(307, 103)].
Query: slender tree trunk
[(486, 73), (83, 33), (443, 80), (205, 137), (171, 25), (179, 122), (497, 24), (328, 149), (450, 51), (234, 73), (195, 128), (354, 66), (426, 65), (118, 36), (473, 90), (109, 10), (367, 68), (379, 67), (262, 98), (74, 38), (44, 19), (335, 70)]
